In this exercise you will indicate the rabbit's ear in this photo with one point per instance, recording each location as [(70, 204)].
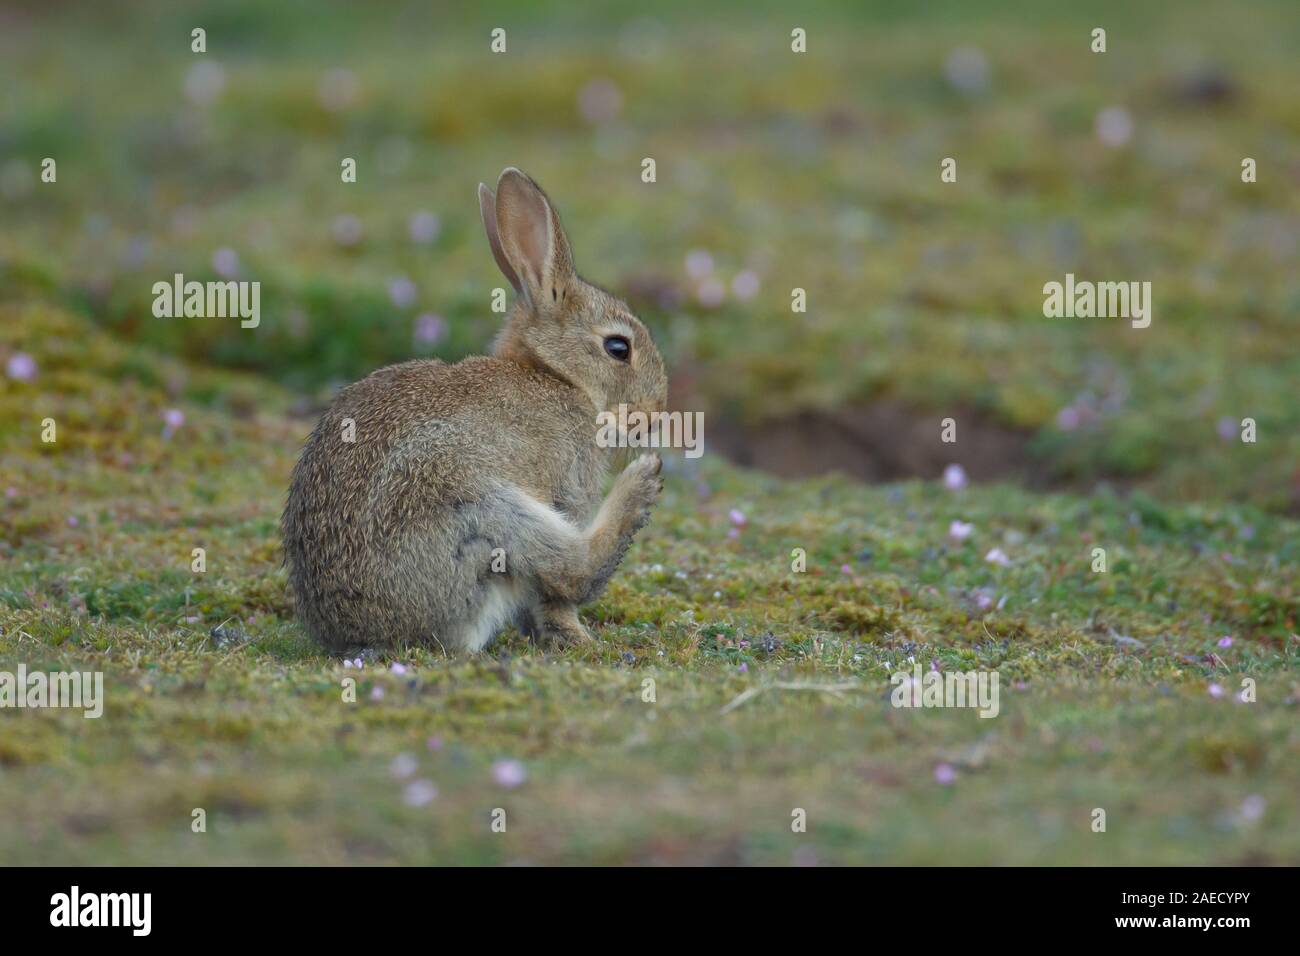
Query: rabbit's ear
[(531, 237), (487, 206)]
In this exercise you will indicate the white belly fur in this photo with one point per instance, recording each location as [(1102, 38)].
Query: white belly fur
[(498, 609)]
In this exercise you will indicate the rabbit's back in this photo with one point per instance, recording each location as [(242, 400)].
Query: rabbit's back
[(383, 509)]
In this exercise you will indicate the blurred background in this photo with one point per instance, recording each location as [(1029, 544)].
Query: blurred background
[(774, 171)]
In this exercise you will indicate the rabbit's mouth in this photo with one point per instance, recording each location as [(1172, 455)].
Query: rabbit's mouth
[(643, 419)]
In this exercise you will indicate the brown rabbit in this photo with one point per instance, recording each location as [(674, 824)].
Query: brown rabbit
[(436, 503)]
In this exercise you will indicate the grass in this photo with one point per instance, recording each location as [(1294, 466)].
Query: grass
[(771, 686), (1104, 677)]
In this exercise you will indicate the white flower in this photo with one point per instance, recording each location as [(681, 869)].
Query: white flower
[(967, 69), (204, 82), (745, 286), (403, 766), (1114, 126), (699, 263), (419, 792), (346, 230), (997, 556)]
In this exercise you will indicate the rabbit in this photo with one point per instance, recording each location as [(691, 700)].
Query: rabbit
[(469, 495)]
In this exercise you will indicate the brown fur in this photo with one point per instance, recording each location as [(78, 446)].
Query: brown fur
[(390, 539)]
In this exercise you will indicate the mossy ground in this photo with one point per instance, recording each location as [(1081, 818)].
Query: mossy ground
[(771, 687), (1105, 678)]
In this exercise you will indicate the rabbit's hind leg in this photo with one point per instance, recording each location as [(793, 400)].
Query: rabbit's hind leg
[(551, 623), (560, 625)]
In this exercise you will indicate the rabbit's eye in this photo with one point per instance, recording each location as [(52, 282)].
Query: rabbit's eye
[(618, 347)]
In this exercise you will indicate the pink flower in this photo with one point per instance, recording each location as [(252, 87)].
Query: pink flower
[(744, 668), (1225, 642), (1114, 126), (346, 230), (402, 291), (509, 773), (737, 517), (21, 367), (1252, 808), (11, 492), (954, 477), (424, 227), (72, 521), (225, 263), (845, 569), (434, 744), (804, 856), (711, 293), (376, 693), (430, 329), (398, 668), (960, 530), (699, 263), (1215, 690), (944, 774), (338, 89), (600, 101)]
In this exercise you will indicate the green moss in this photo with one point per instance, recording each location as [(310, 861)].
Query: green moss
[(770, 687)]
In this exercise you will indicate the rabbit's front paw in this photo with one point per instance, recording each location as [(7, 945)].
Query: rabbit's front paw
[(642, 488)]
